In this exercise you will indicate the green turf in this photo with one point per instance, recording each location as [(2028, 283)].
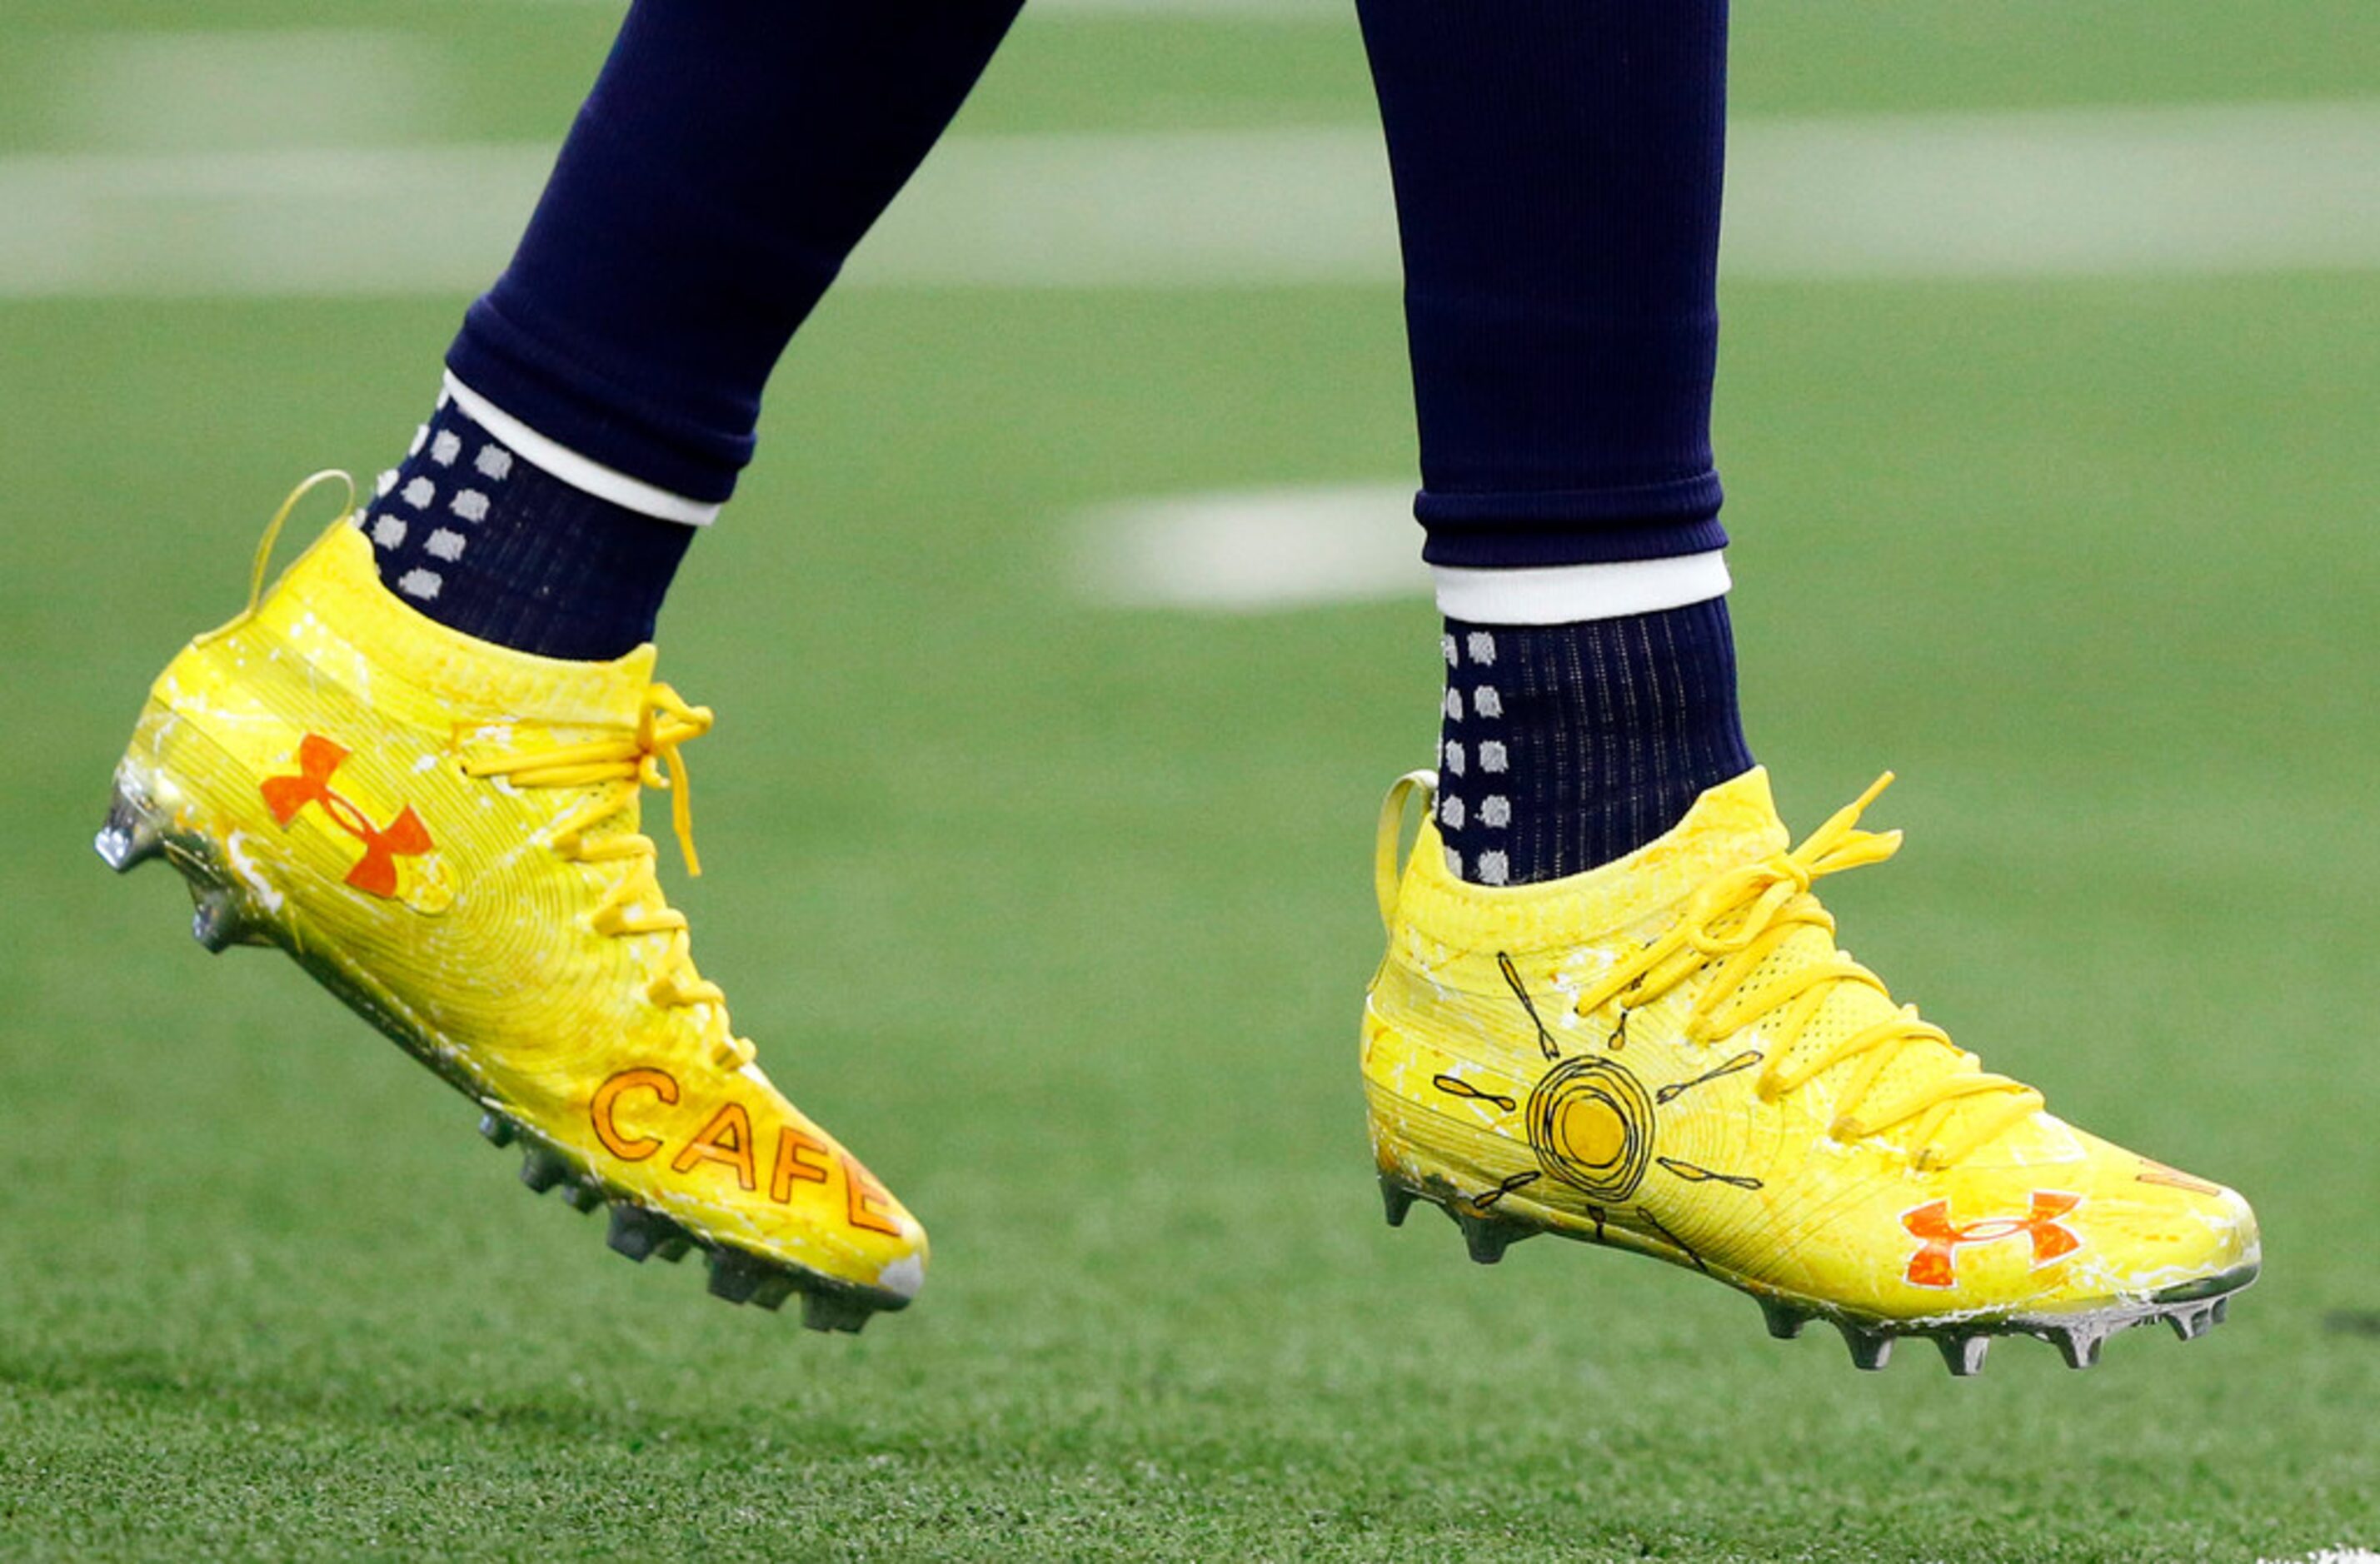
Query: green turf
[(1060, 915)]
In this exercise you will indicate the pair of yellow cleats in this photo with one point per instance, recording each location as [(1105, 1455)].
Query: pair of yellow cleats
[(1667, 1054)]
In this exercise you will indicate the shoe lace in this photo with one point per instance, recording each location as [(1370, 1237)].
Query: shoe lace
[(1733, 924), (623, 764)]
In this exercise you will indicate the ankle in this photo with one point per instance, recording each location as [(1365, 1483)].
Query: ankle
[(1565, 747), (472, 533)]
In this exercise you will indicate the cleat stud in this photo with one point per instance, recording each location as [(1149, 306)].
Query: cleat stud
[(830, 1311), (1785, 1321), (541, 1169), (2220, 1310), (581, 1197), (641, 1234), (734, 1275), (130, 838), (2079, 1345), (217, 923), (1871, 1349), (775, 1289), (2191, 1324), (499, 1130), (673, 1249), (1396, 1199), (1488, 1237), (1964, 1354), (628, 1235)]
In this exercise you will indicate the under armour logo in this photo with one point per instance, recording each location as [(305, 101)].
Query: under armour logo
[(1936, 1265), (404, 837)]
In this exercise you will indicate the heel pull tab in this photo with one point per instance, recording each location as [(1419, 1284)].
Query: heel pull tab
[(263, 562), (1387, 866)]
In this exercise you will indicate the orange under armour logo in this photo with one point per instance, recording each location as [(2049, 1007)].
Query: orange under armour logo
[(404, 837), (1936, 1265)]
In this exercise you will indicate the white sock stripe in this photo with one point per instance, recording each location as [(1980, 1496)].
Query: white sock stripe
[(580, 472), (1566, 594)]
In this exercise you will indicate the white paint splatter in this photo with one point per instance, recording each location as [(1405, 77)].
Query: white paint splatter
[(235, 849)]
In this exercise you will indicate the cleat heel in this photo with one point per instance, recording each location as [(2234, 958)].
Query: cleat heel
[(1395, 1200)]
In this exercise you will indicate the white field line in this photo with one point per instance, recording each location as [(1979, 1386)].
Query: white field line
[(2331, 1556), (242, 90), (1251, 551), (2216, 190)]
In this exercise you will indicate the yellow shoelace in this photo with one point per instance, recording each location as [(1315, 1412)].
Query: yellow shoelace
[(646, 756), (1738, 921)]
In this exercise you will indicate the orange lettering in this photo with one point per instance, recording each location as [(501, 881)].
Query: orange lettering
[(793, 1165), (727, 1138), (865, 1201), (607, 1097)]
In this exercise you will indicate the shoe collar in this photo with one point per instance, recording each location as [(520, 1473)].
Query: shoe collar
[(1730, 825), (335, 587)]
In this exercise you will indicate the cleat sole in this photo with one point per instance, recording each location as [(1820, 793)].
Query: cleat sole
[(2191, 1309)]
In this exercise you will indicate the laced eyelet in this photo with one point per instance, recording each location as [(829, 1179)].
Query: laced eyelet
[(1725, 937)]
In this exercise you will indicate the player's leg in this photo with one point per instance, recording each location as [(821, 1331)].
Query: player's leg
[(730, 156), (416, 764), (1613, 1007)]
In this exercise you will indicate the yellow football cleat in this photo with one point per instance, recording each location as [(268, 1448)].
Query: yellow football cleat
[(444, 833), (1669, 1054)]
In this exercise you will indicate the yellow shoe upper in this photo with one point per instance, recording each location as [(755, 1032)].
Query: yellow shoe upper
[(1670, 1052), (447, 832)]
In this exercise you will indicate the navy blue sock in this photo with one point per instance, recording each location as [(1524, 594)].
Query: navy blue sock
[(479, 538), (1557, 167), (1563, 746), (732, 153)]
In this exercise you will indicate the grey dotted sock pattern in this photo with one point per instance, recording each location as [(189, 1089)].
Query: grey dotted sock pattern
[(1564, 747), (485, 541), (422, 515)]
